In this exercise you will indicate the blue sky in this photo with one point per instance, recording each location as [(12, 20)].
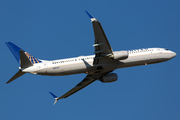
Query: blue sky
[(61, 29)]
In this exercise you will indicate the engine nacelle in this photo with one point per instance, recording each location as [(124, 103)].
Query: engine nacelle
[(109, 78), (120, 55)]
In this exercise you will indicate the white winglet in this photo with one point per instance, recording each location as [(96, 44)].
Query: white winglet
[(91, 17), (55, 97)]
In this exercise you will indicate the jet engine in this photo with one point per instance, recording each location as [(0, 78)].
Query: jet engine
[(120, 55), (109, 78)]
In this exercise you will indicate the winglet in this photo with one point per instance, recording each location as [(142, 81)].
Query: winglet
[(90, 16), (55, 97)]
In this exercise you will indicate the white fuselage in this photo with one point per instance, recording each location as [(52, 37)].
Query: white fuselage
[(97, 67), (84, 64)]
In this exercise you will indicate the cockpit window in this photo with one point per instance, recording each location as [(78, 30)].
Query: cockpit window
[(166, 49)]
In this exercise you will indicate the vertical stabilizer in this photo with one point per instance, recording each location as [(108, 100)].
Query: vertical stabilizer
[(16, 52), (24, 61)]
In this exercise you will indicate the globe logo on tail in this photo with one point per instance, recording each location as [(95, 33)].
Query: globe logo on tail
[(32, 59)]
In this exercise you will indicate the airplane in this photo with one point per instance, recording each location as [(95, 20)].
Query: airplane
[(97, 67)]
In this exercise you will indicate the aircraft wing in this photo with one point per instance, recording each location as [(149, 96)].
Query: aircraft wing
[(101, 44), (86, 81), (103, 53)]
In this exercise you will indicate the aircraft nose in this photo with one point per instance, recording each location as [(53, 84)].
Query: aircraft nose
[(173, 54)]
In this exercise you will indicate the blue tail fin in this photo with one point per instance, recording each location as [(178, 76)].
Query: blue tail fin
[(16, 52)]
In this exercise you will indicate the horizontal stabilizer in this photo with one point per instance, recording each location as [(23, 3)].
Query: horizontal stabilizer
[(18, 74)]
